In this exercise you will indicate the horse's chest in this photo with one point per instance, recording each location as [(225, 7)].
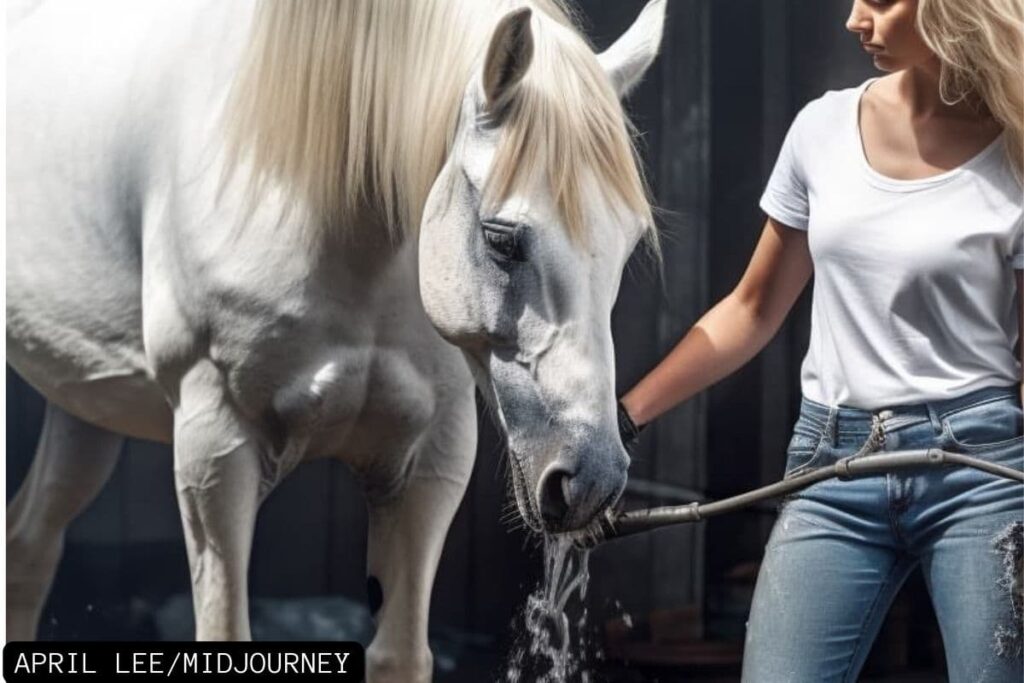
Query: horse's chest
[(330, 352), (341, 383), (357, 401)]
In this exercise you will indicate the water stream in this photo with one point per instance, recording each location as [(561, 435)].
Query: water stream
[(551, 648)]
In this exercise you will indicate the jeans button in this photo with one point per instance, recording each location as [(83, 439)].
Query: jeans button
[(885, 415)]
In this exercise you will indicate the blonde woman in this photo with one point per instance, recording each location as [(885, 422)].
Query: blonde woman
[(903, 196)]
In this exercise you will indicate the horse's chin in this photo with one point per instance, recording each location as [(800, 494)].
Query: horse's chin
[(527, 509)]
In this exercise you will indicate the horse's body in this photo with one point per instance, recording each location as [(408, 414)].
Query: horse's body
[(122, 208), (142, 302)]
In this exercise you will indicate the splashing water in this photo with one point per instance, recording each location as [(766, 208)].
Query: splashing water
[(544, 650)]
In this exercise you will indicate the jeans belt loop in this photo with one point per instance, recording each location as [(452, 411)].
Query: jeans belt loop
[(933, 417), (831, 435)]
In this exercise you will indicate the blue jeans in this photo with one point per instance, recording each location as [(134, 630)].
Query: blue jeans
[(840, 550)]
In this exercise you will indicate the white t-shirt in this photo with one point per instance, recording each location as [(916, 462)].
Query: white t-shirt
[(914, 289)]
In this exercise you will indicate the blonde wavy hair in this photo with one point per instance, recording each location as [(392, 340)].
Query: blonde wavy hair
[(980, 44)]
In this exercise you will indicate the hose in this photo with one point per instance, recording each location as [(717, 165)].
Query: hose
[(619, 524)]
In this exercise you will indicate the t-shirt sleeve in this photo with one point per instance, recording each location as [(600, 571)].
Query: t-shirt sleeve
[(785, 197)]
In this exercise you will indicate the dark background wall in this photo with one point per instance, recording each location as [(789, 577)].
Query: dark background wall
[(713, 112)]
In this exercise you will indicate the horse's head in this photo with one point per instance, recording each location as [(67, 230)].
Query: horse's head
[(524, 238)]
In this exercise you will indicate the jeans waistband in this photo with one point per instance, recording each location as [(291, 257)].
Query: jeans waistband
[(848, 418)]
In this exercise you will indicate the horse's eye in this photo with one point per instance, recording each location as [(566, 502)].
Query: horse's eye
[(504, 242)]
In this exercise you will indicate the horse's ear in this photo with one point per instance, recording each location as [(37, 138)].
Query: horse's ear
[(508, 57), (628, 58)]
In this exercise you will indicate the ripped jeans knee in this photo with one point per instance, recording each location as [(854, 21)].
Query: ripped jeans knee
[(1009, 543)]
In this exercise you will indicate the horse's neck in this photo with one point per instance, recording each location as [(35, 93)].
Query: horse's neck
[(369, 252), (360, 256)]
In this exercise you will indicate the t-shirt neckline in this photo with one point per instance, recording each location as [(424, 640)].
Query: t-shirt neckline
[(901, 185)]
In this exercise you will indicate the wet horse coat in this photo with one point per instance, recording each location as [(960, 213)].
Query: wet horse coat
[(151, 294)]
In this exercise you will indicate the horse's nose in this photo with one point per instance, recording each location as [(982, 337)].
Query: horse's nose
[(580, 483), (555, 495)]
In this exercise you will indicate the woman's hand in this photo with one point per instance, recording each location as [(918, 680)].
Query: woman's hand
[(734, 330)]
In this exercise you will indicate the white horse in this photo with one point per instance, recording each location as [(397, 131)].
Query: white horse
[(309, 228)]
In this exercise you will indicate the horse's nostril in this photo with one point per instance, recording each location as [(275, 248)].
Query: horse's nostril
[(554, 496)]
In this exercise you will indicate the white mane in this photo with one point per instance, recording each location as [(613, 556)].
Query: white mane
[(355, 104)]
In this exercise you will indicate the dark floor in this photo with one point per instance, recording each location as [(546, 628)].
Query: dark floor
[(75, 612)]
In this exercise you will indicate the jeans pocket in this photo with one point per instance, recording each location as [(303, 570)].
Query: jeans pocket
[(804, 447), (991, 425)]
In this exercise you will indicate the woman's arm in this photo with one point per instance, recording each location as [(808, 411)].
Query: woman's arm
[(734, 330)]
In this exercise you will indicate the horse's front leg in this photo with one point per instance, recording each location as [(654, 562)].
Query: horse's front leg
[(406, 536), (217, 475)]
